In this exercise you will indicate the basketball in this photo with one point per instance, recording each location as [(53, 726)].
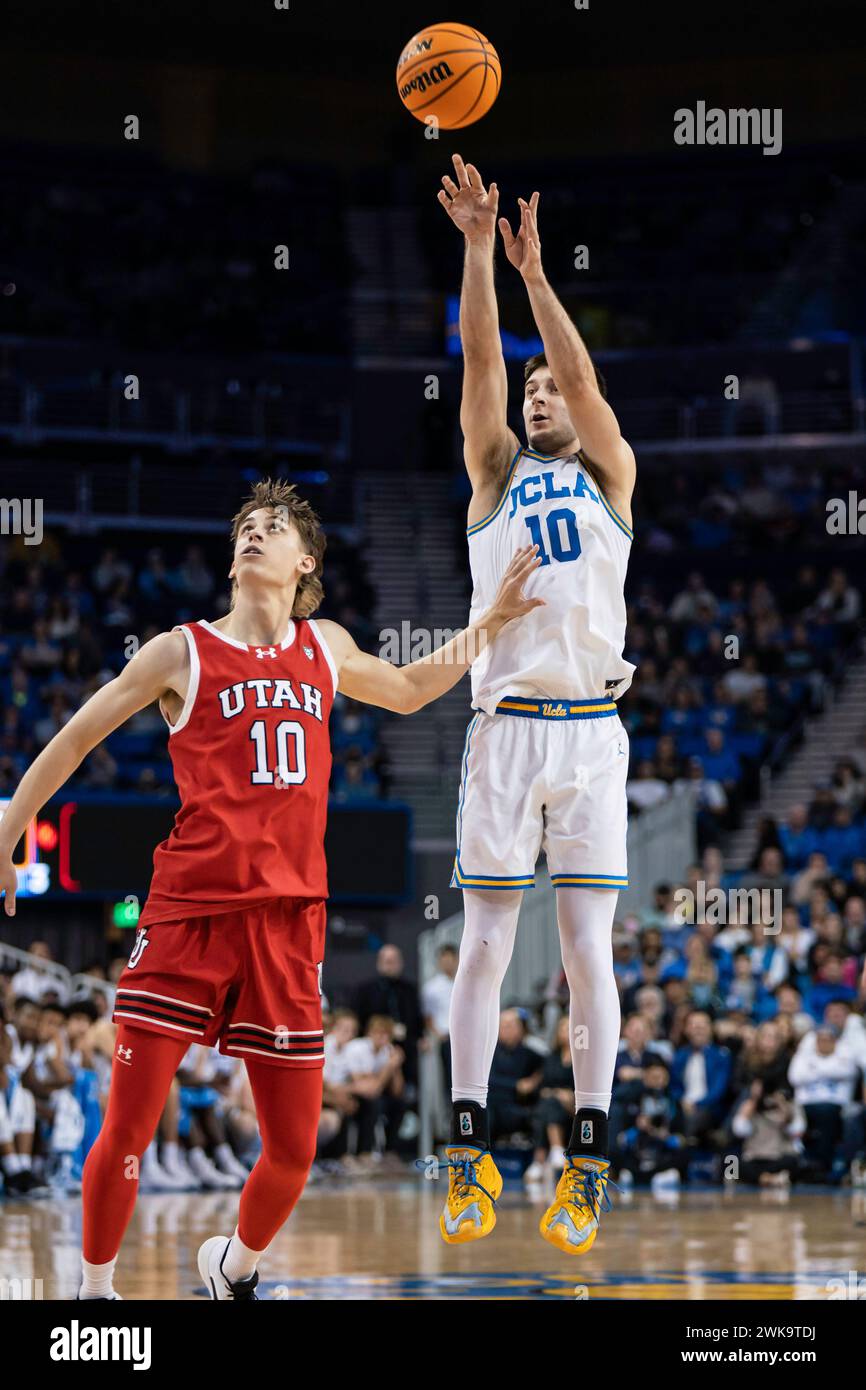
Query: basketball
[(449, 71)]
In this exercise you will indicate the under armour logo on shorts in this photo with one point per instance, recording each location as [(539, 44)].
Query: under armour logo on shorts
[(124, 1054), (262, 652)]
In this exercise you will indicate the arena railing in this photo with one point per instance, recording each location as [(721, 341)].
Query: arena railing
[(72, 985)]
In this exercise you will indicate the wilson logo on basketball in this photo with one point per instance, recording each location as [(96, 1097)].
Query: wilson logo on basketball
[(431, 78), (415, 50)]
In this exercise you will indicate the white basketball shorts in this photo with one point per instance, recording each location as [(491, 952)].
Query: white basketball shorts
[(543, 775)]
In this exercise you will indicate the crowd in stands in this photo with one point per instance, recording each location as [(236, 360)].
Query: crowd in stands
[(728, 668), (743, 1049), (69, 621), (57, 1045), (649, 233), (722, 678), (130, 252), (743, 1034), (56, 1054)]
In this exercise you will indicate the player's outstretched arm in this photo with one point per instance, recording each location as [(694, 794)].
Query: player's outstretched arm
[(489, 445), (570, 364), (405, 689), (161, 665)]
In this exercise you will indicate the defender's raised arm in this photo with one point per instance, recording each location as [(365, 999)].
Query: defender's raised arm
[(405, 689)]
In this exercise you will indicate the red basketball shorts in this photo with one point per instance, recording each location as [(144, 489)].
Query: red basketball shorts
[(250, 981)]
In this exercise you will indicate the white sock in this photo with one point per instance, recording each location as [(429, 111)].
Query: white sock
[(170, 1150), (585, 918), (240, 1261), (485, 950), (24, 1163), (223, 1154), (592, 1100), (11, 1164), (97, 1279)]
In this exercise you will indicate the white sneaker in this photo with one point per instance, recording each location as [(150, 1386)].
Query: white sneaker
[(556, 1159), (534, 1173), (227, 1163), (210, 1267), (112, 1297), (154, 1178), (208, 1175), (665, 1181), (177, 1168), (625, 1180)]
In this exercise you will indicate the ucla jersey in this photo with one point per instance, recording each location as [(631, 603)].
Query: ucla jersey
[(572, 647)]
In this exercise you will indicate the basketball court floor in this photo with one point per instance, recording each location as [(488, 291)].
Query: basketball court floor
[(379, 1239)]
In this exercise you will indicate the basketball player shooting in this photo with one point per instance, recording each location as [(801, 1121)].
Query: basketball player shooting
[(232, 936), (546, 755)]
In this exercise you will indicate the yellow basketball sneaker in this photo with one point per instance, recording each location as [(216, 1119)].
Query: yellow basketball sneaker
[(474, 1185), (571, 1221)]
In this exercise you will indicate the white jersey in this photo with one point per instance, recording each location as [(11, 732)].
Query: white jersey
[(572, 647)]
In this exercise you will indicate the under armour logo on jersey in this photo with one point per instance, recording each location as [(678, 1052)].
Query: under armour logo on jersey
[(308, 653), (141, 940), (124, 1055), (262, 652)]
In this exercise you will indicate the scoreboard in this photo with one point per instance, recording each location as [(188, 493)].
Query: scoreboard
[(101, 847)]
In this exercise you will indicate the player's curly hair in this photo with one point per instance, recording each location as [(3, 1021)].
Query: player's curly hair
[(539, 360), (282, 497)]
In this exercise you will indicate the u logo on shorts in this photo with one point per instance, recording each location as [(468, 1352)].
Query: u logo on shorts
[(141, 940)]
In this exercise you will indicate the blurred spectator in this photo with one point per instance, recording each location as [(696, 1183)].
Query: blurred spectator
[(390, 994), (653, 1146), (700, 1077), (515, 1076), (825, 1077), (374, 1070), (436, 1005), (554, 1111)]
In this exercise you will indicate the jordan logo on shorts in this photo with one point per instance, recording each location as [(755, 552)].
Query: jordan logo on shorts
[(141, 940), (586, 1131)]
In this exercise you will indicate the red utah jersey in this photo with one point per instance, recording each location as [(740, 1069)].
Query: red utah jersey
[(251, 753)]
